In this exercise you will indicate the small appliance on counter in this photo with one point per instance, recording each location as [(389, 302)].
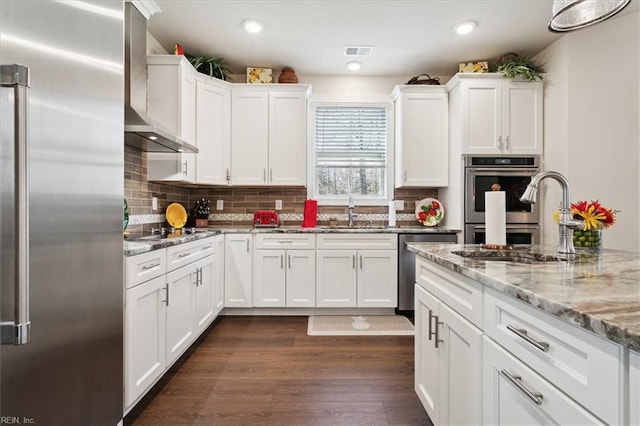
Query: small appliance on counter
[(265, 219)]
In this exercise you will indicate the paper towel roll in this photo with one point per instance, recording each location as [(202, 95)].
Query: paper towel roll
[(495, 218), (392, 213)]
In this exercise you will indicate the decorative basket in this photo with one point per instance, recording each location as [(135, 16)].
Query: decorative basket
[(424, 79)]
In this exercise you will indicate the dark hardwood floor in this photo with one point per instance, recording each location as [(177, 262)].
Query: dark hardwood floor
[(268, 371)]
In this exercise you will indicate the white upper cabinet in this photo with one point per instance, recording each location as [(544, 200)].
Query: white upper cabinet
[(172, 94), (269, 135), (172, 103), (213, 131), (422, 136), (492, 115)]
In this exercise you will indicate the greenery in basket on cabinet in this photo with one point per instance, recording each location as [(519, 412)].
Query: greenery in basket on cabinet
[(213, 67), (513, 65)]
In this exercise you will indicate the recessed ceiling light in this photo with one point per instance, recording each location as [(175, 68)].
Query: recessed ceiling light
[(354, 65), (465, 27), (252, 26)]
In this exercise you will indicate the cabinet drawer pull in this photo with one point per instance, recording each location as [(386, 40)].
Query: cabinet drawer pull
[(207, 247), (285, 241), (181, 255), (147, 267), (522, 333), (517, 382)]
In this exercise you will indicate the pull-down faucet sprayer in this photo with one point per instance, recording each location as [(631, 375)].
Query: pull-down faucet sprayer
[(566, 224)]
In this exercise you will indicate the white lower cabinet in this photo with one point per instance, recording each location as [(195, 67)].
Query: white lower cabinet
[(448, 367), (218, 275), (180, 310), (145, 334), (336, 278), (165, 314), (363, 276), (284, 272), (284, 278), (514, 394), (204, 294), (486, 358), (634, 388), (238, 266)]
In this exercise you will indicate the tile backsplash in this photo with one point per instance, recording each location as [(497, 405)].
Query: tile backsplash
[(241, 202)]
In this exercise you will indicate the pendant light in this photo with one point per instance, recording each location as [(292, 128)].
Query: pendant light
[(569, 15)]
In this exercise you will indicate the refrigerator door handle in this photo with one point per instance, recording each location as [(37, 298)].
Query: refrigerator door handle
[(17, 332)]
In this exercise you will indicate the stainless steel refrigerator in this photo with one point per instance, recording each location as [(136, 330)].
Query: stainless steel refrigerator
[(61, 211)]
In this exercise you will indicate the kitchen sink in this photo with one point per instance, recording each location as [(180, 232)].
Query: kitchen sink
[(518, 256)]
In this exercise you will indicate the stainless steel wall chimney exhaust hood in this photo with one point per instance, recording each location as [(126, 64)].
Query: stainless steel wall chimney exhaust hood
[(140, 131)]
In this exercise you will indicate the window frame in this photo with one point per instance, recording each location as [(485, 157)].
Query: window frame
[(373, 101)]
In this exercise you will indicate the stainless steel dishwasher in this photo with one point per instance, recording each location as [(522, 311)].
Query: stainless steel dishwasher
[(407, 263)]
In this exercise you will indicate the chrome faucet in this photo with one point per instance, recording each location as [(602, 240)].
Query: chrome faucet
[(566, 224), (352, 215)]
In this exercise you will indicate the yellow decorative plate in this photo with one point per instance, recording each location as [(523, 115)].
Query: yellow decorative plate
[(176, 215)]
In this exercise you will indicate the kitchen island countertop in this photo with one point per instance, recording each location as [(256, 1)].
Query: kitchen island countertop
[(600, 293)]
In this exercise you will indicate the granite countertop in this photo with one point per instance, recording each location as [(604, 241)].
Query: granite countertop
[(338, 229), (600, 293), (138, 244)]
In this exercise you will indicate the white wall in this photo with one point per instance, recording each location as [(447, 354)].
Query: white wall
[(592, 135)]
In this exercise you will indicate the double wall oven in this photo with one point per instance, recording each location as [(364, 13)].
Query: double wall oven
[(513, 174)]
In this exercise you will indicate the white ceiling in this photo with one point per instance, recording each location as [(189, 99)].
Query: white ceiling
[(410, 37)]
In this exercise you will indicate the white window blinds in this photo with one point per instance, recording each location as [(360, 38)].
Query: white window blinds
[(351, 137), (351, 151)]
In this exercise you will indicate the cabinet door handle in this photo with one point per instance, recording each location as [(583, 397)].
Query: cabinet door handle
[(247, 245), (270, 175), (517, 382), (185, 168), (264, 175), (281, 261), (360, 261), (499, 142), (522, 333), (506, 142), (435, 333), (199, 275), (289, 259), (354, 261), (18, 331), (430, 321), (228, 175), (166, 295)]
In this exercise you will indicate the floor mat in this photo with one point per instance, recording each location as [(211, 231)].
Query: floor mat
[(360, 325)]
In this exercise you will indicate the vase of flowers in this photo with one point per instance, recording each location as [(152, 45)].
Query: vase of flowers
[(595, 218)]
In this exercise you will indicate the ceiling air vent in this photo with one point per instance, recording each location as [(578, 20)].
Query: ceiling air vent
[(358, 50)]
